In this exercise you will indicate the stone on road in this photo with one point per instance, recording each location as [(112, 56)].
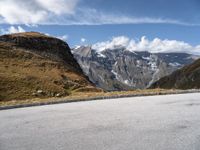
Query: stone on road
[(170, 122)]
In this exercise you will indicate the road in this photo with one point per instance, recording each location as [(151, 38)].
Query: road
[(169, 122)]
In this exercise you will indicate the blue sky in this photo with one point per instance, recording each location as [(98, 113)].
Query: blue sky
[(82, 22)]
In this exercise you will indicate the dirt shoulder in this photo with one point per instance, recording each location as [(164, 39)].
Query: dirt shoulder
[(88, 96)]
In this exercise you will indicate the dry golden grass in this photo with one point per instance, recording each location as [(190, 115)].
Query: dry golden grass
[(22, 73), (87, 95)]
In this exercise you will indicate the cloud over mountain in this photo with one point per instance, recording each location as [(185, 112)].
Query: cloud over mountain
[(154, 46)]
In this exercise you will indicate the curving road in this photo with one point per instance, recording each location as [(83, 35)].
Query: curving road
[(169, 122)]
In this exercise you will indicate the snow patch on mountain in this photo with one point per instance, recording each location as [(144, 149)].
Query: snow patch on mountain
[(174, 64), (120, 69)]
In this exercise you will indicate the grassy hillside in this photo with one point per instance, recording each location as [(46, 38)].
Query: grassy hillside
[(186, 78), (35, 70)]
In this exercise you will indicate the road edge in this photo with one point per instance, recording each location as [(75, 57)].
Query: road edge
[(98, 98)]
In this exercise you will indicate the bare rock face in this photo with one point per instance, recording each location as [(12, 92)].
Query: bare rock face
[(121, 69)]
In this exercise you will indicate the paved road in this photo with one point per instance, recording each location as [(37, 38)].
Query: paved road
[(142, 123)]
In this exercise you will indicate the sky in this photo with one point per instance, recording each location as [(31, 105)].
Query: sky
[(153, 25)]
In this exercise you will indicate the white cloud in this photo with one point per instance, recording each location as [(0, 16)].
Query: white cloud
[(66, 12), (83, 40), (34, 11), (58, 6), (63, 37), (116, 42), (12, 29), (89, 16), (154, 46)]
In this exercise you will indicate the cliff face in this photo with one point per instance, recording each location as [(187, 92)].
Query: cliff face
[(187, 77), (121, 69), (36, 65)]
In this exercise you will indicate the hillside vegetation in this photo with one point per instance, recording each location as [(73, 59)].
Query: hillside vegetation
[(34, 65), (186, 78)]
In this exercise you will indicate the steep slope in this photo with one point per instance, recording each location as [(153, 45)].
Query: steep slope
[(121, 69), (187, 77), (36, 65)]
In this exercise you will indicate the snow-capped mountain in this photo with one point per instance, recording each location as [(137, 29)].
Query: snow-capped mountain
[(121, 69)]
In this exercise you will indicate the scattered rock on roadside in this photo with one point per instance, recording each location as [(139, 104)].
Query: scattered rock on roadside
[(58, 95)]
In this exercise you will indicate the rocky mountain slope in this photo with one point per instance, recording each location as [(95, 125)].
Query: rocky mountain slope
[(36, 65), (121, 69), (187, 77)]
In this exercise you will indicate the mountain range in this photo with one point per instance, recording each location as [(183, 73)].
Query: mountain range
[(122, 69)]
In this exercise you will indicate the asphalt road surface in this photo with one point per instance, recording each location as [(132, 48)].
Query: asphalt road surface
[(142, 123)]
